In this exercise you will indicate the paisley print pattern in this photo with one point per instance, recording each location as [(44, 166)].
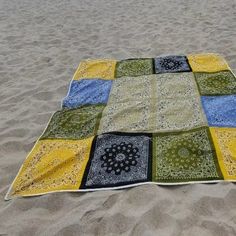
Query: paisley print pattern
[(225, 144), (220, 110), (207, 62), (53, 165), (134, 67), (161, 102), (129, 109), (219, 83), (178, 103), (165, 120), (185, 156), (118, 159), (74, 123), (169, 64), (90, 69), (87, 92)]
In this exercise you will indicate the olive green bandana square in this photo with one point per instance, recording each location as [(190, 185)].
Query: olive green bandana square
[(74, 123), (134, 67), (184, 157), (219, 83)]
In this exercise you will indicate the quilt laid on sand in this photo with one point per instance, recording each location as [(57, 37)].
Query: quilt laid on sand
[(164, 120)]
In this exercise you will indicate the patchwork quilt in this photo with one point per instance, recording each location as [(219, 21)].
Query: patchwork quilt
[(165, 120)]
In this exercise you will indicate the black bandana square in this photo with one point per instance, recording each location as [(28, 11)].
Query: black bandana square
[(118, 159), (170, 64)]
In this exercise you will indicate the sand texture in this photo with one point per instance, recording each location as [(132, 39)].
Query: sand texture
[(41, 44)]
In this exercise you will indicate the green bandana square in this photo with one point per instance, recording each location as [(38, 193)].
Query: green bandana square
[(134, 67), (219, 83), (74, 123), (185, 157)]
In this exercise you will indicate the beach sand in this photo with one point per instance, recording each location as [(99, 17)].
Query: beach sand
[(41, 44)]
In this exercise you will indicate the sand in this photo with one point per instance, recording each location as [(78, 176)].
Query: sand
[(41, 44)]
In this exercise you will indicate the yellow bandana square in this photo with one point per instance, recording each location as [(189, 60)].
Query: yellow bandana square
[(96, 69), (208, 62), (52, 165), (225, 143)]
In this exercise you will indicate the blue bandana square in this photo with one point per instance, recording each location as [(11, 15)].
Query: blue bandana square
[(118, 159), (220, 110), (170, 64), (87, 92)]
